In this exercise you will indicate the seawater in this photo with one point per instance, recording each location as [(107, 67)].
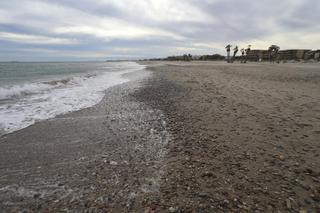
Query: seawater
[(31, 92)]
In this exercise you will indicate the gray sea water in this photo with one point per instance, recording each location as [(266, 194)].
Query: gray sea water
[(30, 92)]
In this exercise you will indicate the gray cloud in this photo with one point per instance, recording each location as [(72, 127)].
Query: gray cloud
[(86, 29)]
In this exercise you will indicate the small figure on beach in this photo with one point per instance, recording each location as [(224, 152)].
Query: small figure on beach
[(273, 53), (228, 48), (235, 51), (247, 53), (242, 55)]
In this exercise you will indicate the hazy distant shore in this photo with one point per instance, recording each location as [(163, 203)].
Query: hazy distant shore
[(193, 136)]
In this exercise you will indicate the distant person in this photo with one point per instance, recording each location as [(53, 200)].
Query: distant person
[(242, 55), (228, 47), (276, 52), (273, 53), (247, 51), (235, 51)]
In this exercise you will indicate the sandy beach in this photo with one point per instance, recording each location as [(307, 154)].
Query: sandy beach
[(180, 137), (246, 137)]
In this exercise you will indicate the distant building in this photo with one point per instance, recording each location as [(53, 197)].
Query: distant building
[(317, 55), (196, 57), (258, 55), (295, 54), (312, 55)]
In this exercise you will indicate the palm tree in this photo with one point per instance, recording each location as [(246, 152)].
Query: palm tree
[(235, 51)]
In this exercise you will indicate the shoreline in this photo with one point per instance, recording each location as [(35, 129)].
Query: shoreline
[(106, 157), (43, 96)]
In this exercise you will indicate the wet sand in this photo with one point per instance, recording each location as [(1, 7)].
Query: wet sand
[(103, 158), (193, 137)]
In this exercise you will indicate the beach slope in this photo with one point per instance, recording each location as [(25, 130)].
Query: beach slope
[(245, 137)]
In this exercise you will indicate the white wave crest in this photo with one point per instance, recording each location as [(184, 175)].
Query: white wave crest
[(47, 100), (26, 89)]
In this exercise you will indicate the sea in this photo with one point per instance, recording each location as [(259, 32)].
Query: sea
[(31, 92)]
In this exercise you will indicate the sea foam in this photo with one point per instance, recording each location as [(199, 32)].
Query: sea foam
[(38, 101)]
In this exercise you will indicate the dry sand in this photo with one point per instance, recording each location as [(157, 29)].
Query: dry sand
[(245, 137), (194, 137)]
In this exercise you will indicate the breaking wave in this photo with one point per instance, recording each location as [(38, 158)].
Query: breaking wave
[(37, 101), (26, 89)]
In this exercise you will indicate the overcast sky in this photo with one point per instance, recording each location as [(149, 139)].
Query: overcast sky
[(110, 29)]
